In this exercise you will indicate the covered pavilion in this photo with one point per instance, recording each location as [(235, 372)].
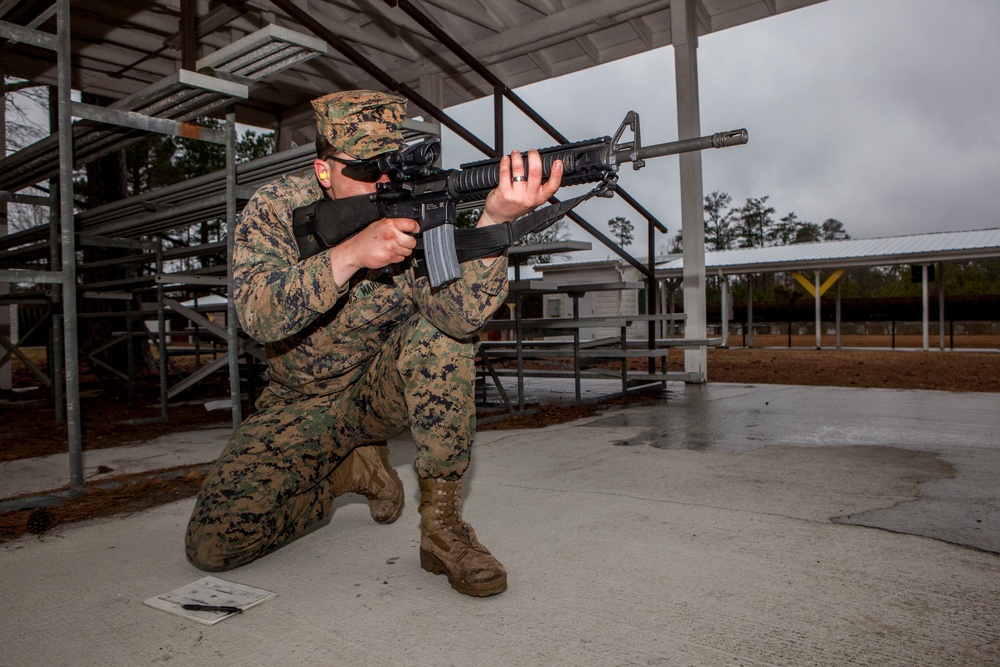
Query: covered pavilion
[(833, 259)]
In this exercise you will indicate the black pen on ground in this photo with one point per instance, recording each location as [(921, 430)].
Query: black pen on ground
[(210, 607)]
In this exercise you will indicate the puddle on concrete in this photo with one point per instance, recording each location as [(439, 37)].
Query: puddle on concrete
[(704, 425), (688, 429)]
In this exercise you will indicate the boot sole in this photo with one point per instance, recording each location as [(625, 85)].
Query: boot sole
[(433, 564)]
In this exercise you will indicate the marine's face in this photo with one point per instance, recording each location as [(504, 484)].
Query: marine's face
[(342, 185)]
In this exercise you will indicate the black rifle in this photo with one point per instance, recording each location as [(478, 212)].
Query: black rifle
[(417, 189)]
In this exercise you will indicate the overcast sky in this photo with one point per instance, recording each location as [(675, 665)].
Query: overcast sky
[(883, 114)]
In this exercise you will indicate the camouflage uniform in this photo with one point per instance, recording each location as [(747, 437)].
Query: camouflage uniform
[(349, 364)]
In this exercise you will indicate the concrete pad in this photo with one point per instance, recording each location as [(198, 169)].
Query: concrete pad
[(617, 555)]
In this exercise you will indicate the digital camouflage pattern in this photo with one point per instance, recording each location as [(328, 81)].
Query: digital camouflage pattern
[(319, 335), (361, 123), (349, 364)]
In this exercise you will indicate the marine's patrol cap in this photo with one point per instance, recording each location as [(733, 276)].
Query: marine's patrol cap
[(361, 123)]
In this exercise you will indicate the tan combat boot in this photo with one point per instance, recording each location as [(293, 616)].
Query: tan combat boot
[(449, 546), (366, 470)]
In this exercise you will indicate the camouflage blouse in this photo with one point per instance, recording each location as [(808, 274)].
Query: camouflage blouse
[(318, 334)]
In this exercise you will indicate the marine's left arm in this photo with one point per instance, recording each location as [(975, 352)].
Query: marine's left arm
[(463, 306)]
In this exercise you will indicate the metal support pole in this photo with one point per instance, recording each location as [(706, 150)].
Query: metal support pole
[(672, 309), (197, 339), (130, 342), (8, 324), (926, 305), (189, 34), (161, 329), (576, 296), (498, 141), (68, 243), (749, 310), (652, 287), (519, 348), (724, 309), (661, 308), (685, 40), (232, 321), (838, 315), (819, 314), (54, 352), (940, 278)]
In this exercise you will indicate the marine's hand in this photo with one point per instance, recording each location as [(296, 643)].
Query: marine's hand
[(520, 189), (384, 242)]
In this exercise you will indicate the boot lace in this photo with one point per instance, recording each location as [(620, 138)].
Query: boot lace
[(448, 508)]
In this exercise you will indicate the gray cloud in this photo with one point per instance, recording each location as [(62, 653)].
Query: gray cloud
[(881, 113)]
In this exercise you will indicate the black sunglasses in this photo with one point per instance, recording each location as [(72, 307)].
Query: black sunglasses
[(366, 171)]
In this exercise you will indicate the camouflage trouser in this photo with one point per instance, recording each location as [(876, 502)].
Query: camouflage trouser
[(273, 480)]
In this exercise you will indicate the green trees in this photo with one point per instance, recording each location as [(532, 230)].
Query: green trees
[(621, 228), (720, 232), (752, 225), (833, 230), (791, 230), (157, 161)]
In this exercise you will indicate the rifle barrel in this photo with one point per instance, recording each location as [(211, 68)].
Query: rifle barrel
[(717, 140)]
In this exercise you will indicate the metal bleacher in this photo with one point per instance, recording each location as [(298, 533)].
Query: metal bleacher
[(170, 105), (176, 207)]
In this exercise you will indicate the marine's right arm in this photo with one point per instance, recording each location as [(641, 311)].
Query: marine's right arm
[(276, 295)]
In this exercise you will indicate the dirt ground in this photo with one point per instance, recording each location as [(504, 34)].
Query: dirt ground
[(28, 427)]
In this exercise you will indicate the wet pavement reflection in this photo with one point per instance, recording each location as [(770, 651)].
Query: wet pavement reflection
[(963, 429)]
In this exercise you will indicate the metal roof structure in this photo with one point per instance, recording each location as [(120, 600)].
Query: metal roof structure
[(121, 48), (909, 249)]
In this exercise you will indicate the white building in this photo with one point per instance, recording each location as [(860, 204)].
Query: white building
[(620, 293)]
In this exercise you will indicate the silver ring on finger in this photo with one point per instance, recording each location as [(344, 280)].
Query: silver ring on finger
[(519, 178)]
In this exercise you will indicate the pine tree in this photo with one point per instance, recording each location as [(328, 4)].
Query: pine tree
[(621, 229)]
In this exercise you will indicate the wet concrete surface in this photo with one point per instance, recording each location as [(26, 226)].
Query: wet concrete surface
[(959, 503), (716, 550)]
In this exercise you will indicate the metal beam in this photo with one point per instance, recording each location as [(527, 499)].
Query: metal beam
[(146, 123), (27, 276), (15, 34)]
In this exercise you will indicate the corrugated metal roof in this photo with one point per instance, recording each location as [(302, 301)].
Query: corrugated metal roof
[(910, 249)]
